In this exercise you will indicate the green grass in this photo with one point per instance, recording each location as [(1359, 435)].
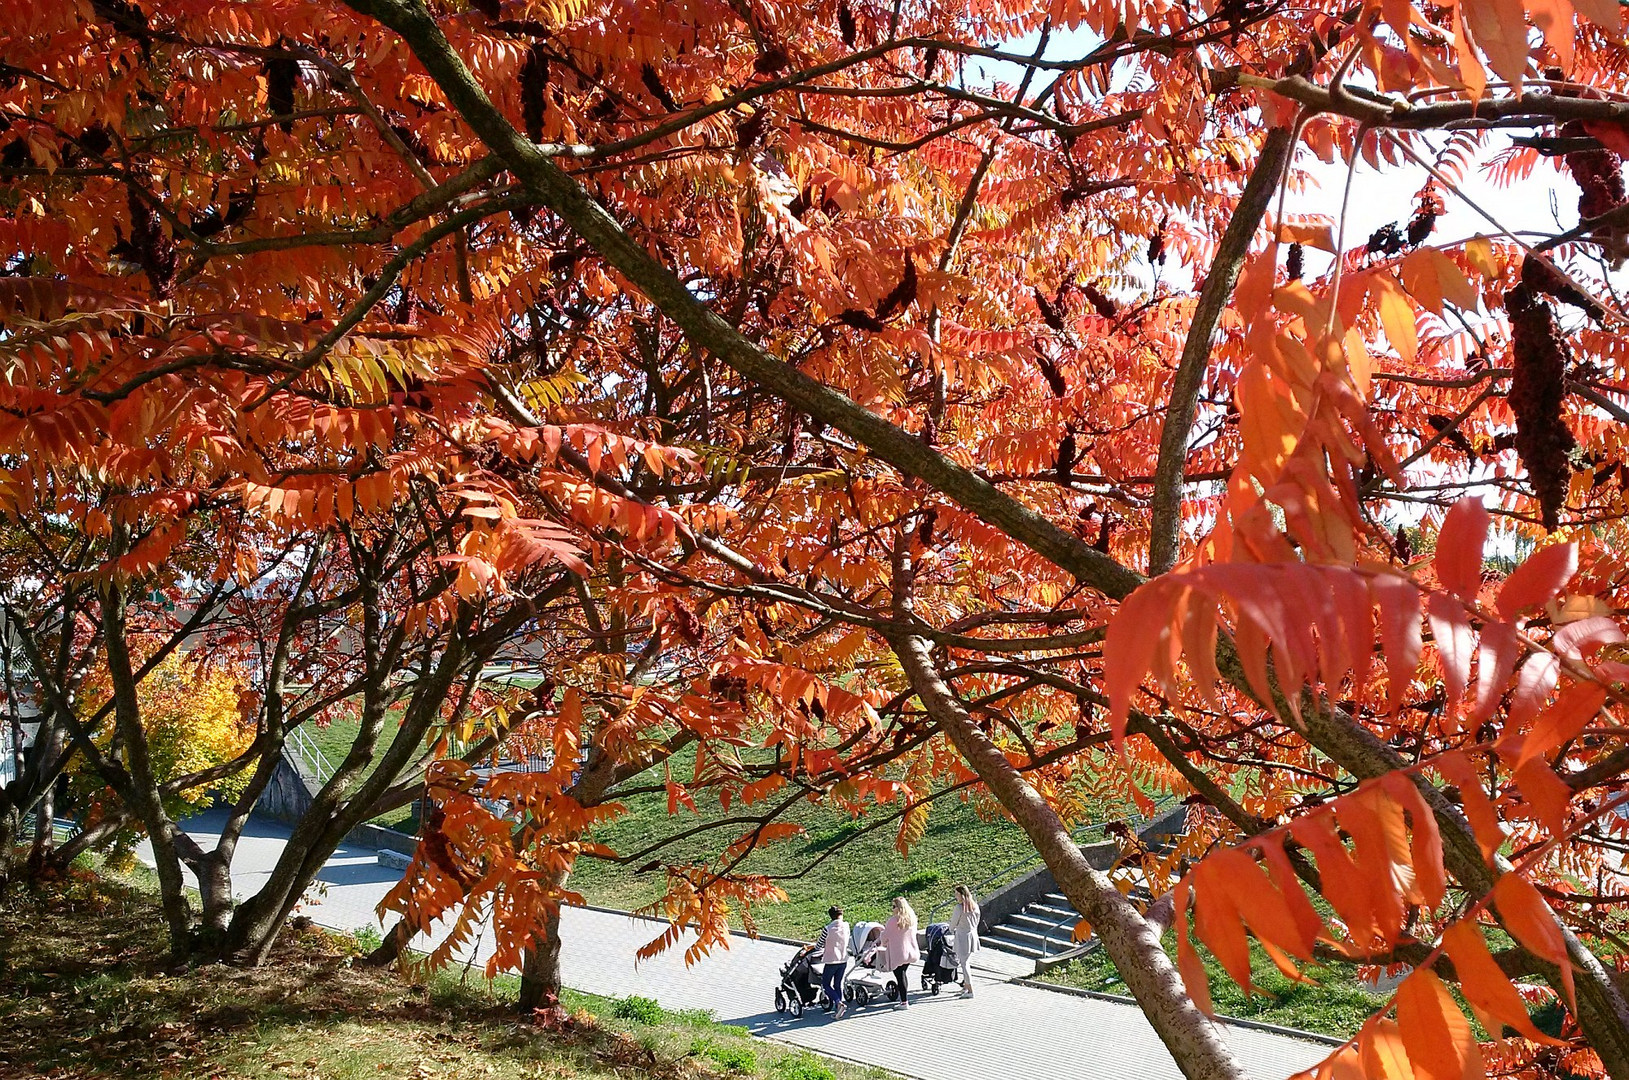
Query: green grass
[(87, 992), (862, 871), (335, 739), (1335, 1004)]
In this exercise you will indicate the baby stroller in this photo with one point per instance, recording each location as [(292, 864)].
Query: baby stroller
[(797, 989), (868, 979), (939, 963)]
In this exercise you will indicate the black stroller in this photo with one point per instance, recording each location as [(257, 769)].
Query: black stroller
[(797, 989), (939, 963)]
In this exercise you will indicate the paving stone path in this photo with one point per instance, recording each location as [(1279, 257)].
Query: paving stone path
[(1005, 1030)]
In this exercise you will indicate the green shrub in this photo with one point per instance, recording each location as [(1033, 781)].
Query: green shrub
[(367, 938), (802, 1067), (732, 1056), (701, 1018), (641, 1010), (919, 881)]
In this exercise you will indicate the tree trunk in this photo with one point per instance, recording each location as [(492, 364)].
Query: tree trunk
[(391, 949), (214, 875), (540, 974), (45, 827), (1131, 942), (11, 824), (88, 839)]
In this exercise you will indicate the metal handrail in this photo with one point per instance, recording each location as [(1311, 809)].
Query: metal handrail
[(1034, 861), (310, 754)]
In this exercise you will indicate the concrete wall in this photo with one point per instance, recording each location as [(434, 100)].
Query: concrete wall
[(288, 796), (376, 836)]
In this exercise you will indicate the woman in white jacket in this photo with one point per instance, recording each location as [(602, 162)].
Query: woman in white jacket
[(964, 928)]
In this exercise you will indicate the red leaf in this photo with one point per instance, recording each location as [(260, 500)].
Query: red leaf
[(1533, 686), (1496, 657), (1138, 631), (1452, 629), (1459, 548), (1539, 579), (1400, 637)]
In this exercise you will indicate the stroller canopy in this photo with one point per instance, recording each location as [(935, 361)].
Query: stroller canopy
[(857, 936)]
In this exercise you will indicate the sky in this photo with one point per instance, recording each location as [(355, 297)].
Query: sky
[(1544, 204)]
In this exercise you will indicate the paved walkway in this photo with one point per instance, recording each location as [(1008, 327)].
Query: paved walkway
[(1006, 1030)]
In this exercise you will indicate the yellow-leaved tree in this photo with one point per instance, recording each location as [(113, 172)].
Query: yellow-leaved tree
[(192, 715)]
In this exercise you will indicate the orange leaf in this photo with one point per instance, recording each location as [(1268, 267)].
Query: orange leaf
[(1308, 923), (1456, 768), (1555, 18), (1395, 315), (1500, 28), (1484, 983), (1603, 13), (1220, 926), (1546, 793), (1436, 1034), (1523, 912), (1384, 1055), (1425, 842), (1189, 965)]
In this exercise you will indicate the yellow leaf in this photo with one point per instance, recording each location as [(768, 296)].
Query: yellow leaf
[(1396, 315), (1480, 254)]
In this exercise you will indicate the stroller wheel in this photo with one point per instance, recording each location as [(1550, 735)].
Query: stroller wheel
[(892, 992), (797, 1006), (934, 989), (780, 1000)]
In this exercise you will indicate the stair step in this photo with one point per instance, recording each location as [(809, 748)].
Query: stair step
[(1057, 900), (1039, 940), (1015, 947), (1025, 921), (1065, 913)]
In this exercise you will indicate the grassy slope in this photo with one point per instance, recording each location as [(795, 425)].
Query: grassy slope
[(1336, 1004), (86, 993), (335, 739), (960, 846)]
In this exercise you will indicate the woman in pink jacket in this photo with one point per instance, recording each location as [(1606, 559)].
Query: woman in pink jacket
[(899, 942)]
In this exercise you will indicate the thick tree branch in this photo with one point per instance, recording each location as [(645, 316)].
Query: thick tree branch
[(1166, 527)]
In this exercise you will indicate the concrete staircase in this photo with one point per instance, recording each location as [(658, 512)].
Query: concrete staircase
[(1030, 919), (1036, 930)]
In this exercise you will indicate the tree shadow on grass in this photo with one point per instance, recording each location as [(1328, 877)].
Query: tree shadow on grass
[(88, 991)]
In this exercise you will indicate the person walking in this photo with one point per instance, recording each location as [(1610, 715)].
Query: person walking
[(833, 946), (964, 927), (899, 942)]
